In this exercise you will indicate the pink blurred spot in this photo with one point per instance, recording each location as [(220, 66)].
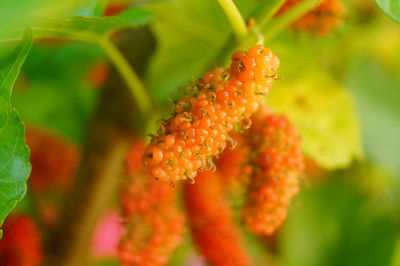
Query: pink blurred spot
[(107, 234), (196, 260)]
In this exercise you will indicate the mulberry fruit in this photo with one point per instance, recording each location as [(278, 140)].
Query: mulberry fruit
[(275, 181), (233, 164), (212, 224), (321, 20), (21, 244), (201, 121), (54, 161), (154, 225)]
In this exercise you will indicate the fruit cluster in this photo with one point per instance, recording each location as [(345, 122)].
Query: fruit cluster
[(201, 121), (21, 244), (329, 14), (154, 225), (212, 224), (234, 165), (278, 164)]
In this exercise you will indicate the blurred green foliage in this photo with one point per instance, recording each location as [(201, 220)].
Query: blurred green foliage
[(54, 91), (336, 224)]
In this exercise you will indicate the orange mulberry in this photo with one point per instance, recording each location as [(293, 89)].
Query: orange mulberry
[(321, 20), (201, 121), (21, 244), (212, 224), (154, 225), (278, 165), (233, 164)]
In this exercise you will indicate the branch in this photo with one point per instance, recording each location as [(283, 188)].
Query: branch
[(266, 11), (134, 83), (235, 18), (106, 144), (288, 18)]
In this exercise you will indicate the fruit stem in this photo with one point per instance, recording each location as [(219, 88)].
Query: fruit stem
[(128, 74), (288, 18), (396, 256), (235, 18), (266, 10)]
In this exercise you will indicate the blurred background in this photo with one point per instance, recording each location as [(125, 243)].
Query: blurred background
[(340, 90)]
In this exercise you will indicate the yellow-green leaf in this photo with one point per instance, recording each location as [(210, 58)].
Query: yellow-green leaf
[(324, 115)]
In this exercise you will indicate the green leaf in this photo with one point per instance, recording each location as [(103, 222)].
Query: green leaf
[(136, 16), (390, 8), (58, 72), (91, 8), (80, 28), (336, 224), (325, 116), (377, 97), (17, 13), (14, 153)]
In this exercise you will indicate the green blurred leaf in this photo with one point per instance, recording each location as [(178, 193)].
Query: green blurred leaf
[(390, 8), (335, 224), (324, 114), (377, 98), (189, 34), (136, 16), (14, 153), (81, 28), (91, 8), (53, 90), (20, 12)]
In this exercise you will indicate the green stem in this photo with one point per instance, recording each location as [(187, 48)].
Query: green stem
[(235, 18), (396, 256), (266, 10), (131, 78), (288, 18)]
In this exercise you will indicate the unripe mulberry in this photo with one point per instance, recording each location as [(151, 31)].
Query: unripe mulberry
[(154, 225), (212, 224), (199, 127), (329, 14), (276, 180), (21, 244), (54, 160)]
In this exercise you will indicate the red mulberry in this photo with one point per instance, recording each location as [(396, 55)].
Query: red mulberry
[(154, 225), (275, 182), (199, 127), (54, 160), (321, 20), (20, 245), (212, 226)]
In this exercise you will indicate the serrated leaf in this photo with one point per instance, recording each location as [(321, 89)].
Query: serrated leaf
[(390, 8), (14, 153), (81, 28), (324, 114)]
